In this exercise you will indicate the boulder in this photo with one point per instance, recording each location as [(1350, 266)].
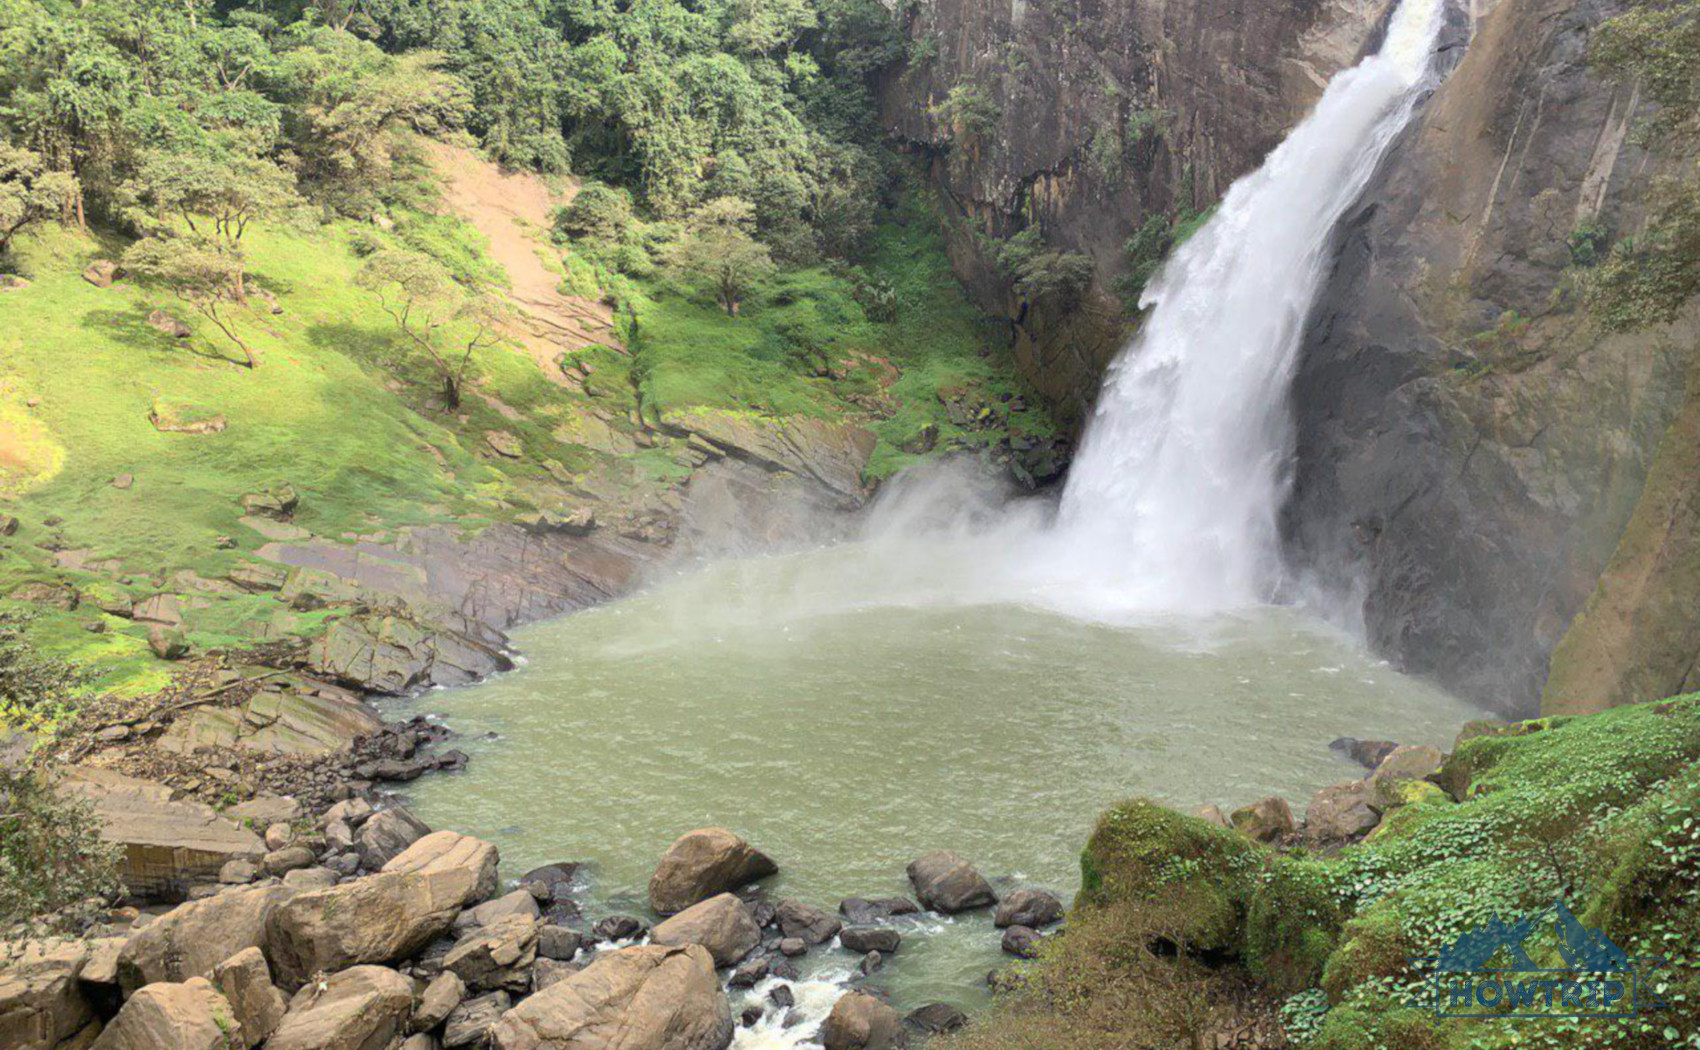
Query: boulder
[(861, 939), (945, 882), (1021, 942), (290, 858), (497, 956), (387, 835), (1366, 753), (871, 964), (723, 925), (1405, 763), (245, 981), (1265, 820), (791, 947), (41, 1002), (702, 864), (861, 911), (649, 998), (269, 809), (441, 996), (1028, 907), (519, 902), (102, 967), (161, 321), (858, 1021), (352, 812), (169, 843), (1340, 813), (362, 1008), (103, 273), (187, 1016), (192, 939), (618, 928), (1214, 815), (750, 972), (560, 943), (807, 923), (469, 1024), (310, 879), (551, 882), (167, 643), (383, 917), (937, 1019), (277, 502)]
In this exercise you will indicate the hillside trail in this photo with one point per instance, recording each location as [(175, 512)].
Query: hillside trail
[(514, 211)]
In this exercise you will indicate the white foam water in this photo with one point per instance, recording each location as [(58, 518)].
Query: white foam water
[(1172, 502)]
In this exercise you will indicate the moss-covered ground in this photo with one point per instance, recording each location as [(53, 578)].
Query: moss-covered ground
[(1600, 811)]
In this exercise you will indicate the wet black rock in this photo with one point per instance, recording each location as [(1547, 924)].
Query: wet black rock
[(808, 923), (937, 1018), (862, 911), (1028, 907), (618, 928), (750, 972), (858, 939), (551, 882), (1366, 753), (750, 1016), (871, 963), (782, 996)]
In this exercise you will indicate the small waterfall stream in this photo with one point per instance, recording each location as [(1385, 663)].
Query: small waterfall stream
[(1184, 467)]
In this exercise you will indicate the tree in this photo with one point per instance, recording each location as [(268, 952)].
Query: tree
[(216, 189), (200, 271), (428, 306), (30, 193), (718, 249)]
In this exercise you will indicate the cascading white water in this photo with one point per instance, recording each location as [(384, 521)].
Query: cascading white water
[(1173, 498)]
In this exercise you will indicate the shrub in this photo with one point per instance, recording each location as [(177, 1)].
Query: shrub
[(52, 859)]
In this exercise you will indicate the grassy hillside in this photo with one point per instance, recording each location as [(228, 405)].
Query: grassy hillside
[(343, 410)]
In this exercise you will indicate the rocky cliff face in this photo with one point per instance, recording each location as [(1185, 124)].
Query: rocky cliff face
[(1086, 118), (1472, 445)]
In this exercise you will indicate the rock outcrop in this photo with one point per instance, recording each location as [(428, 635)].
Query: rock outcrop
[(187, 1016), (1088, 122), (192, 939), (1471, 445), (169, 842), (357, 1009)]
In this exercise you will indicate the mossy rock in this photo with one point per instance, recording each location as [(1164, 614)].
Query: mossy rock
[(1200, 873), (1375, 944), (1292, 926)]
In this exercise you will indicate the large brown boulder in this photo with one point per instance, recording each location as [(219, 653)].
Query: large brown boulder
[(1406, 763), (945, 882), (363, 1008), (497, 956), (702, 864), (1033, 908), (806, 922), (245, 981), (860, 1022), (1340, 813), (724, 925), (1266, 820), (165, 1016), (648, 998), (192, 938), (450, 850), (387, 835), (383, 917), (41, 1002)]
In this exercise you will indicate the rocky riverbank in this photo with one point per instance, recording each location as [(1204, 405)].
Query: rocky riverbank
[(357, 926)]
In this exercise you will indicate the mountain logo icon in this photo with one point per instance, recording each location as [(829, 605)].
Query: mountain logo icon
[(1489, 971)]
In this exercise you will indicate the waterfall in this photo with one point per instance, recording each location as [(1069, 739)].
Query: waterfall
[(1173, 500)]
